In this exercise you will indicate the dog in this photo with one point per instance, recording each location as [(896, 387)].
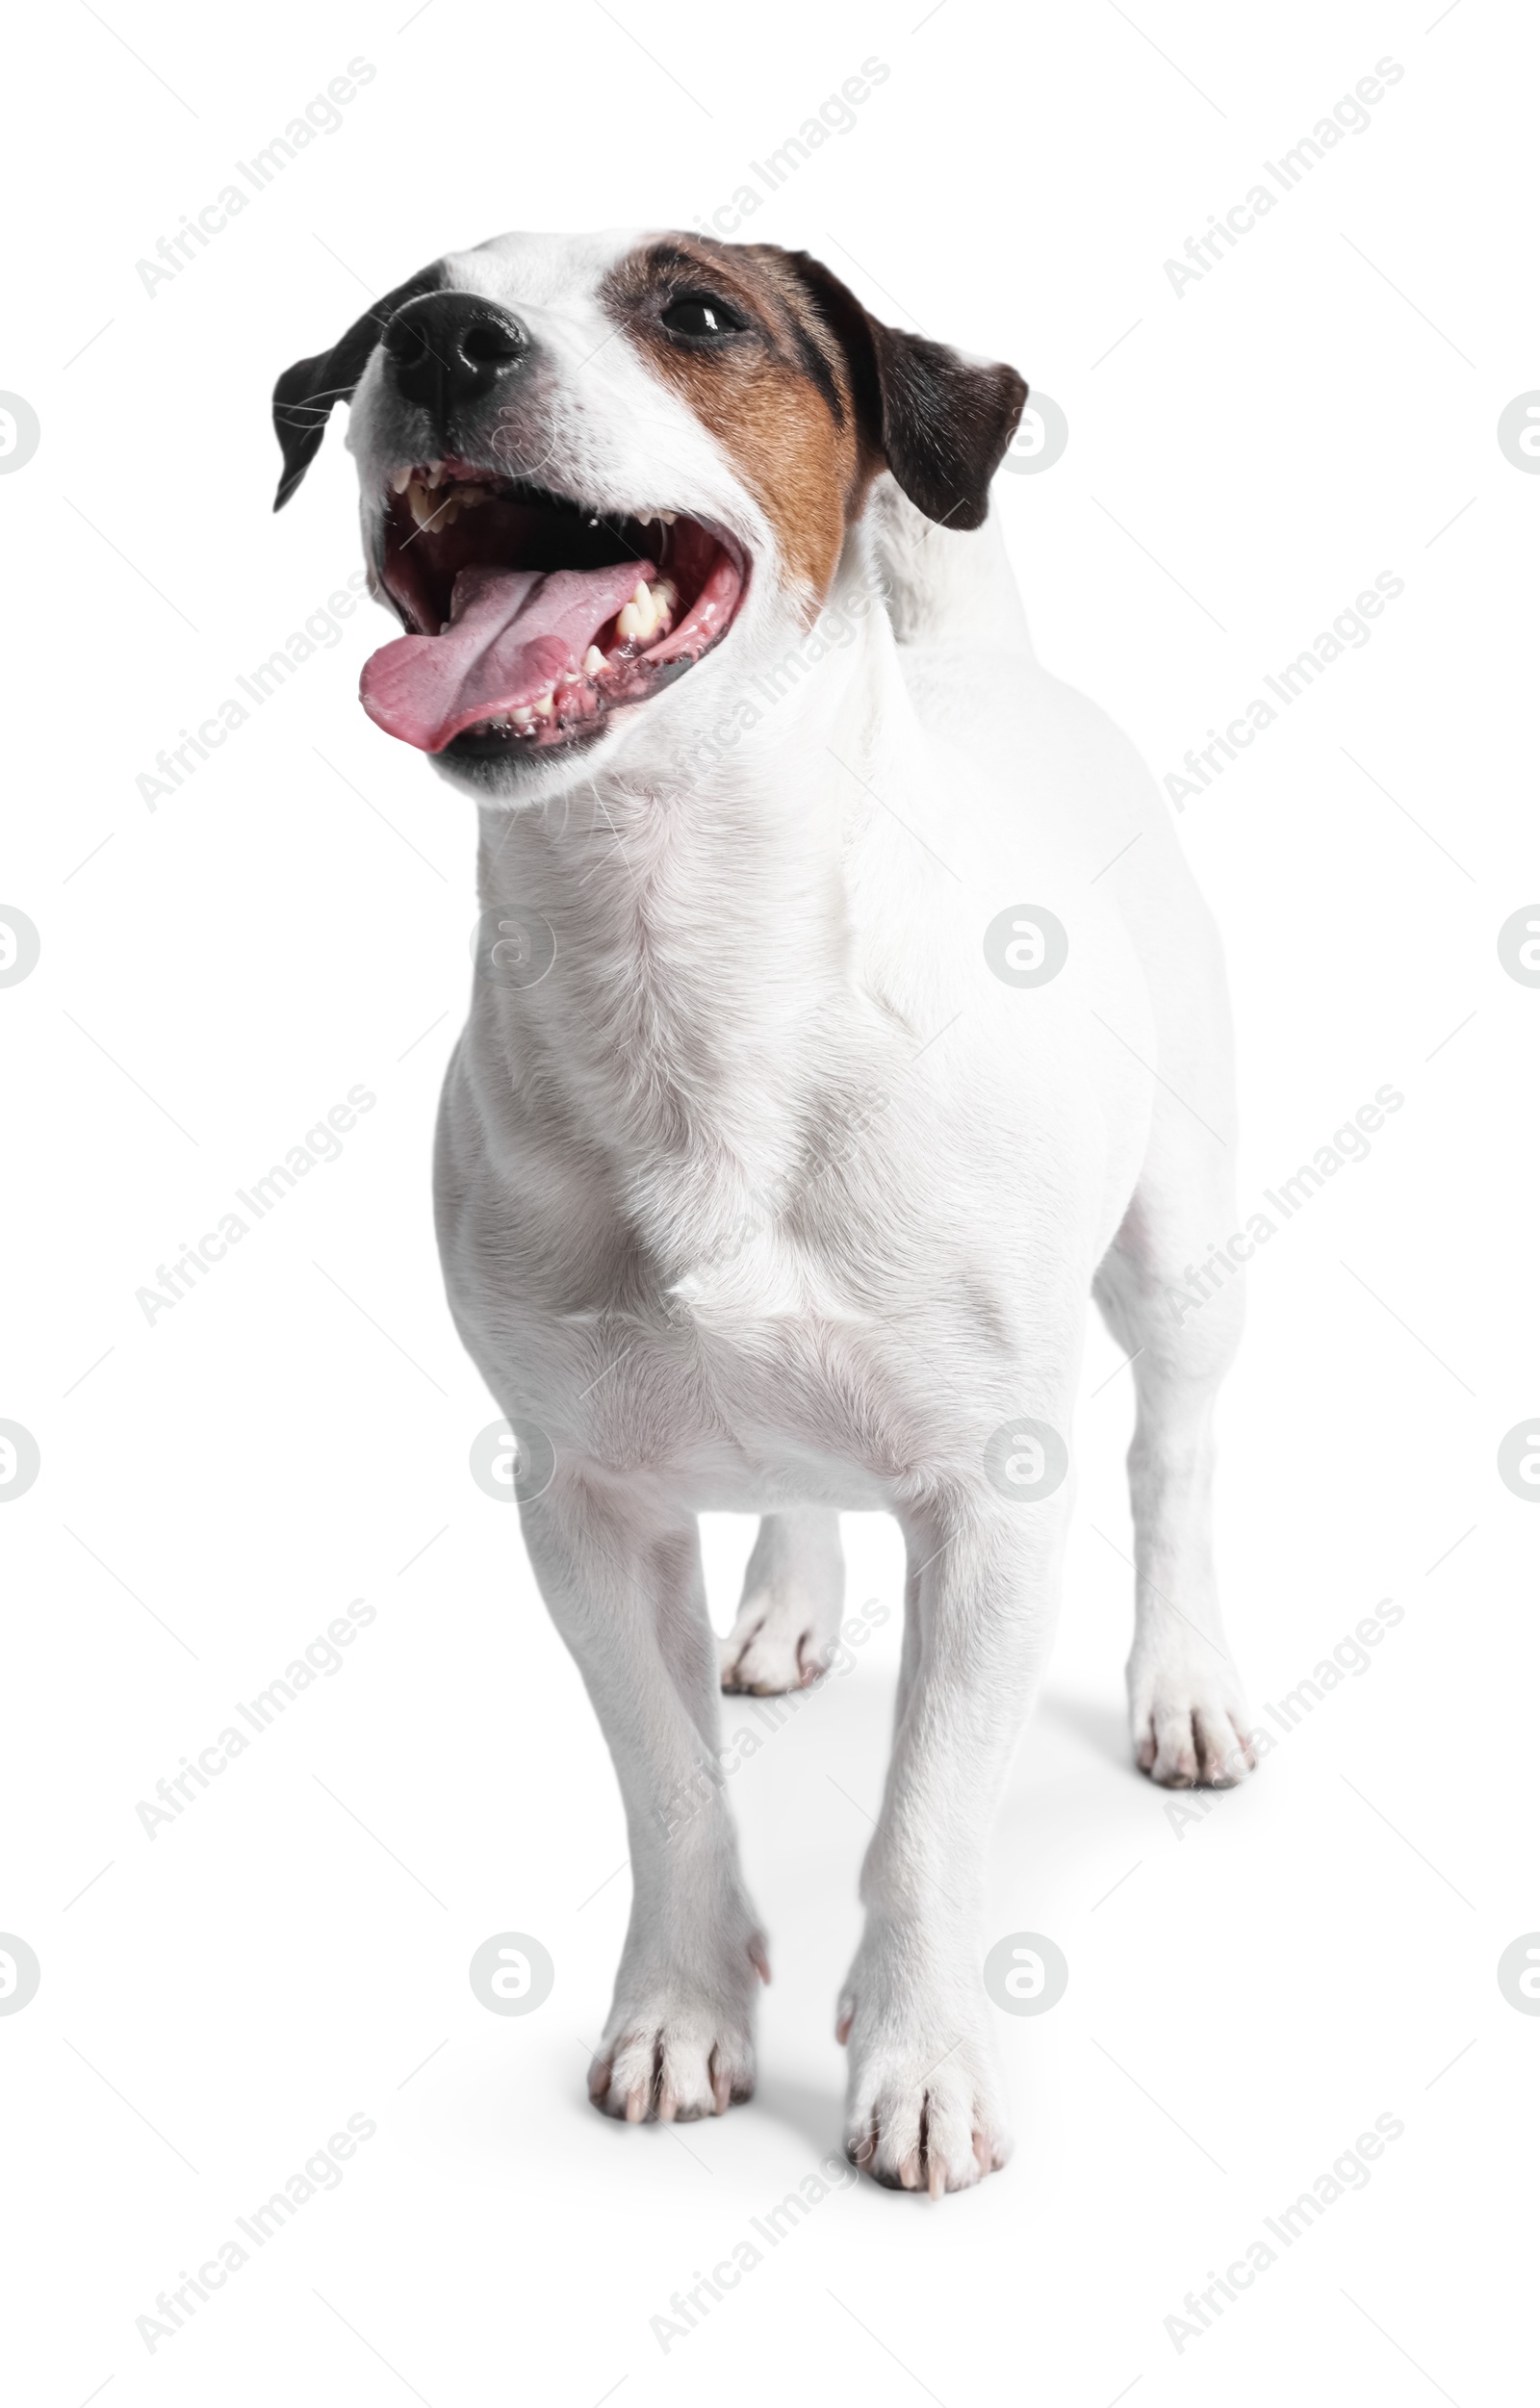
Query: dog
[(845, 1015)]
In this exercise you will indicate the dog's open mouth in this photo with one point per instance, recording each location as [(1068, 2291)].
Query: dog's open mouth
[(532, 618)]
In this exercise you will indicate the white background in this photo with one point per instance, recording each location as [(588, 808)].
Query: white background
[(1246, 1995)]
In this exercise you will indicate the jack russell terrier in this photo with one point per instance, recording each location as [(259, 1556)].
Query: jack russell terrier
[(845, 1013)]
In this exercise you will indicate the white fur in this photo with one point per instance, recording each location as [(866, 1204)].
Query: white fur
[(771, 1196)]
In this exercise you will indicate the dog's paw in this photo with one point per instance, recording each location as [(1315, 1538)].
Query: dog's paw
[(673, 2052), (1190, 1728), (922, 2113), (778, 1642), (670, 2062)]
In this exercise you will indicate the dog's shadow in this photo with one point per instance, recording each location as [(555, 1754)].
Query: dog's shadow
[(1103, 1728), (816, 2115)]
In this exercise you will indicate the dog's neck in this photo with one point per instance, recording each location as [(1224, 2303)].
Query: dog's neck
[(704, 936), (711, 995)]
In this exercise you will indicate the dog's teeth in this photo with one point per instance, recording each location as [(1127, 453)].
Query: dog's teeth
[(668, 517), (646, 611), (524, 717), (400, 479), (434, 474), (546, 706), (593, 661), (419, 501), (637, 619), (470, 496)]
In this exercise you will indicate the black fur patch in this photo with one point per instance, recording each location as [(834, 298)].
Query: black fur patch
[(942, 424)]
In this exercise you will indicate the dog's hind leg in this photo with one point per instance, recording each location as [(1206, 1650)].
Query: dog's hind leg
[(622, 1579), (793, 1591), (1187, 1706)]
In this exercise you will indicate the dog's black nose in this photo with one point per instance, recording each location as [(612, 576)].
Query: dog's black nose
[(446, 349)]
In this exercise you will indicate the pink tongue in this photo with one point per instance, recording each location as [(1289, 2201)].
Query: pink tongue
[(512, 633)]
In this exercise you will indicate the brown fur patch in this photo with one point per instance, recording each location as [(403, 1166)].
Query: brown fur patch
[(779, 399)]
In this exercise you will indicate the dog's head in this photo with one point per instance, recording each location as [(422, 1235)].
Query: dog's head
[(591, 463)]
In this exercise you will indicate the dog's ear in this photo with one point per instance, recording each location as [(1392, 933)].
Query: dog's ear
[(941, 423), (304, 396)]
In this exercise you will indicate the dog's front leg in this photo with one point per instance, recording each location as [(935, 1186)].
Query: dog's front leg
[(624, 1585), (925, 2107)]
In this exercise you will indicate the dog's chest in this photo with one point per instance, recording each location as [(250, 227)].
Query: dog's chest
[(761, 1228), (794, 1336), (740, 1405)]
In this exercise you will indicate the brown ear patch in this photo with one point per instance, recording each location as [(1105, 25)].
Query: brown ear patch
[(816, 396)]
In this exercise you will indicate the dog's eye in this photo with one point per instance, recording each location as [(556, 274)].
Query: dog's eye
[(702, 315)]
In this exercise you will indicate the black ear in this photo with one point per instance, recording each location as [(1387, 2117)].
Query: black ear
[(941, 423), (304, 396)]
